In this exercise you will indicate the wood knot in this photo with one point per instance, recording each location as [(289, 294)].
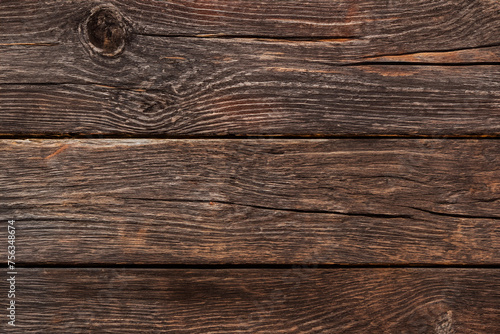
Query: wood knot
[(105, 31)]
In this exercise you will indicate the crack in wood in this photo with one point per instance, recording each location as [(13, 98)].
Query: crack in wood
[(455, 215), (352, 214)]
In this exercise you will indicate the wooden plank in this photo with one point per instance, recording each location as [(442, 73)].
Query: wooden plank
[(384, 27), (298, 300), (156, 201), (57, 76), (381, 100)]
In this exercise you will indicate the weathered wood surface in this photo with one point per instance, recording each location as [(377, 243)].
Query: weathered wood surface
[(298, 300), (390, 26), (252, 68), (253, 201), (158, 72), (276, 101)]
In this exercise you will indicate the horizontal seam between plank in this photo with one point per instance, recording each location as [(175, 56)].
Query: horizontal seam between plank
[(34, 265), (65, 136)]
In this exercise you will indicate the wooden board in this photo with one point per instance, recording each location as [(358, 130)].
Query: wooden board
[(268, 101), (295, 300), (389, 26), (362, 195), (156, 201), (325, 68)]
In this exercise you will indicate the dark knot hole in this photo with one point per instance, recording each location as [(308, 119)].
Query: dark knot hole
[(106, 32)]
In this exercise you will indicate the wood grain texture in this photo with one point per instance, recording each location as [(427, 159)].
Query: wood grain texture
[(272, 101), (386, 26), (353, 68), (253, 201), (288, 211), (298, 300)]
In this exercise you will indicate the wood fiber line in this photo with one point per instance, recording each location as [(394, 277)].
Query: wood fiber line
[(208, 68), (357, 201), (298, 300)]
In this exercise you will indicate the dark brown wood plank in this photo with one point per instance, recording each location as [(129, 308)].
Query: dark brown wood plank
[(253, 201), (382, 26), (298, 300), (58, 78), (286, 100)]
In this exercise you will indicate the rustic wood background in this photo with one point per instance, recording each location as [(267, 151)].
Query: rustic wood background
[(237, 166)]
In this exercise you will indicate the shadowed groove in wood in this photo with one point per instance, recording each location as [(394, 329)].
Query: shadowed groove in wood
[(229, 266)]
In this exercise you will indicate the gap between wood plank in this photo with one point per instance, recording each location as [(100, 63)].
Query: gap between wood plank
[(65, 136), (29, 265)]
